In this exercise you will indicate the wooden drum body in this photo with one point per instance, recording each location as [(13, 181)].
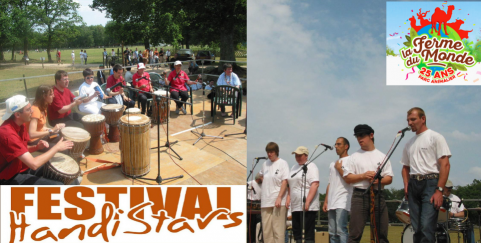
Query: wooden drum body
[(135, 144), (112, 114), (162, 110), (79, 137), (94, 124), (61, 168)]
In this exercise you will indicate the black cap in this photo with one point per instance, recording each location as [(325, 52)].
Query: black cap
[(363, 129)]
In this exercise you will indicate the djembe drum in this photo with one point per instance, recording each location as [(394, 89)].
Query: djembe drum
[(94, 124), (163, 109), (61, 168), (79, 137), (112, 114), (133, 111), (135, 144)]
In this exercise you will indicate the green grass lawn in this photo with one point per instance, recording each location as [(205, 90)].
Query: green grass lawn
[(95, 55)]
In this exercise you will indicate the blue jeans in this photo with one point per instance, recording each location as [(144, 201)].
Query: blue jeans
[(423, 214), (337, 225)]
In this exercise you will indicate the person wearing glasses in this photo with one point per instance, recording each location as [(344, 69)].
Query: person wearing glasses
[(91, 91)]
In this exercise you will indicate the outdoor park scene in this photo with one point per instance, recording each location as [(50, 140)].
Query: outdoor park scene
[(203, 36)]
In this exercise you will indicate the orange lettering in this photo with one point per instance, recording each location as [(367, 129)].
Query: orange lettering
[(193, 195), (224, 200), (47, 235), (67, 231), (18, 201), (13, 225), (184, 226), (45, 203), (235, 219), (112, 195), (88, 209), (132, 215)]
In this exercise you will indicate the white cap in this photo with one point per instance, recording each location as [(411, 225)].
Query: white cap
[(141, 66), (14, 104), (177, 63)]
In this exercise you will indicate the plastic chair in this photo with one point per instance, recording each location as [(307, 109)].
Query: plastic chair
[(226, 96)]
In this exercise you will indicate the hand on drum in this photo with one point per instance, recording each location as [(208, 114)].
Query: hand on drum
[(64, 145), (58, 127), (78, 101), (437, 199), (42, 145)]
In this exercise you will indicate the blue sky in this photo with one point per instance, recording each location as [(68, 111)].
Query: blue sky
[(317, 69), (398, 14), (91, 17)]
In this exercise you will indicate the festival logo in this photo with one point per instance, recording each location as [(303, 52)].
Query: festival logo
[(433, 43)]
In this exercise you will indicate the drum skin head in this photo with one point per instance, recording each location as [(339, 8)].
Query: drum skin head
[(133, 110), (135, 119), (75, 134), (93, 118), (112, 107), (64, 164)]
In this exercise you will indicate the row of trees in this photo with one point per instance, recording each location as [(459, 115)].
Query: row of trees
[(470, 191), (56, 23)]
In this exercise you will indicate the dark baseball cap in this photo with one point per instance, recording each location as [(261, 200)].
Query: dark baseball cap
[(363, 129)]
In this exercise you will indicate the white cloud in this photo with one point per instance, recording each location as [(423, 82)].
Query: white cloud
[(464, 136)]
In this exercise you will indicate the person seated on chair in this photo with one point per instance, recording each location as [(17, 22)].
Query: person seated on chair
[(193, 67), (17, 165), (142, 81), (177, 80), (59, 111), (37, 128), (117, 94), (228, 78), (91, 90), (457, 209)]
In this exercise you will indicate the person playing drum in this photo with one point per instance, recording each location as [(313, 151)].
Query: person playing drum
[(177, 80), (17, 165), (457, 209), (37, 128), (118, 96), (425, 171), (142, 81), (91, 90)]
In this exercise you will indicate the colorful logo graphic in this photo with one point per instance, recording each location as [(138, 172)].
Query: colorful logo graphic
[(438, 47)]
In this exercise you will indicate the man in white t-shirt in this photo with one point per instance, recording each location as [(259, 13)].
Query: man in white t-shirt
[(300, 189), (81, 55), (338, 195), (425, 171), (274, 195), (92, 103), (254, 194), (73, 57), (359, 171)]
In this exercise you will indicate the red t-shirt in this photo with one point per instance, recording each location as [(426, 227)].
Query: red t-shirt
[(58, 54), (61, 98), (141, 82), (13, 144), (179, 82), (111, 81)]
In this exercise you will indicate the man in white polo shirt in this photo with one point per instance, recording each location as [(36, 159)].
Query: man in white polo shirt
[(338, 195), (425, 171), (359, 171)]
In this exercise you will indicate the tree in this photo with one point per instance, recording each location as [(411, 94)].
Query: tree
[(220, 21), (57, 16), (470, 191), (24, 20)]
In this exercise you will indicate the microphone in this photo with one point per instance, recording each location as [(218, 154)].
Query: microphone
[(114, 86), (405, 129), (329, 147), (261, 158)]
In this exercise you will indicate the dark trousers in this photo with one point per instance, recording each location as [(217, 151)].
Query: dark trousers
[(253, 220), (143, 100), (297, 221), (423, 215), (360, 214), (72, 120), (33, 177), (184, 96), (129, 104)]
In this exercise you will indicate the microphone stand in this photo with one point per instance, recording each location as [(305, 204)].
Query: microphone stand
[(304, 168), (378, 176), (158, 179), (201, 135)]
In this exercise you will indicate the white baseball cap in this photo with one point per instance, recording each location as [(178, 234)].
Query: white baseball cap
[(141, 66), (177, 63), (14, 104)]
